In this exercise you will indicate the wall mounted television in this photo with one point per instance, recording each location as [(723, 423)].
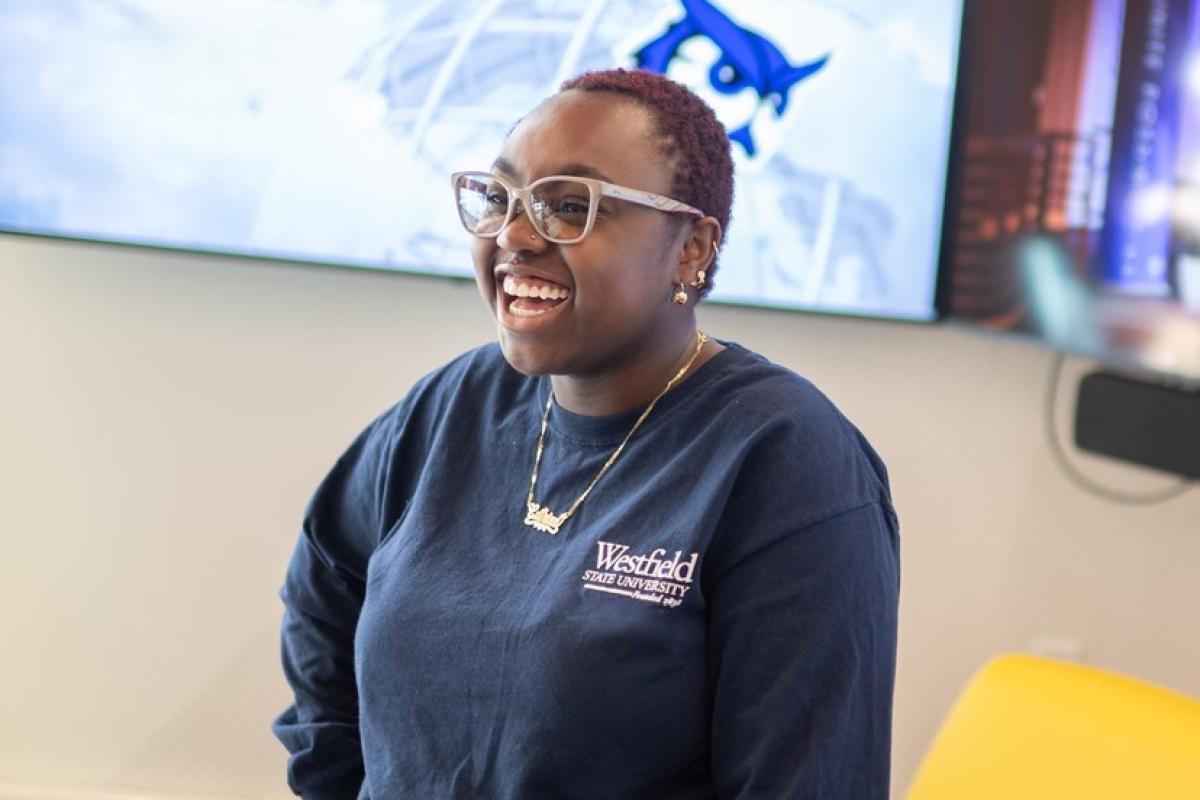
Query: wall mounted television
[(1074, 202), (325, 130)]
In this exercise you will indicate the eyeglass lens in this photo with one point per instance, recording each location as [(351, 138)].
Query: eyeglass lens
[(559, 207)]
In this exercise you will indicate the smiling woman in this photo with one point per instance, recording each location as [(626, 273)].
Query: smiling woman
[(611, 557), (629, 249)]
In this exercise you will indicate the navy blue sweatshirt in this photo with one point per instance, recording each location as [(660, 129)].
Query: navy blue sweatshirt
[(717, 620)]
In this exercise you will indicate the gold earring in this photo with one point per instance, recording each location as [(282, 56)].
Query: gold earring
[(680, 297), (701, 275)]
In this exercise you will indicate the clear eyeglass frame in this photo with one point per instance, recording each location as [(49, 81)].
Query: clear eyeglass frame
[(596, 189)]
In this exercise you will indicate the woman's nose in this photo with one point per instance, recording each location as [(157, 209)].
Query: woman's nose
[(519, 234)]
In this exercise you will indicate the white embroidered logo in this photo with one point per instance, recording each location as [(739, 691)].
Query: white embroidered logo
[(650, 578)]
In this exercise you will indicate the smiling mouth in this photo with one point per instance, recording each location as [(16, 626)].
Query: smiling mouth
[(531, 297)]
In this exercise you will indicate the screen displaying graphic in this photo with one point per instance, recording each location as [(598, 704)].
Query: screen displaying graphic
[(1078, 193), (326, 130)]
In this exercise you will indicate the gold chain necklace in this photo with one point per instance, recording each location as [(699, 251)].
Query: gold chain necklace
[(545, 520)]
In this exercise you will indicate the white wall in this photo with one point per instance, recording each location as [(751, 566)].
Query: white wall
[(163, 418)]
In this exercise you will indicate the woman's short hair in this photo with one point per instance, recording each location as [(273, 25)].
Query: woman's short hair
[(697, 142)]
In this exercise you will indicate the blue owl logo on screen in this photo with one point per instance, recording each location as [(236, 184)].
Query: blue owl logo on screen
[(747, 60)]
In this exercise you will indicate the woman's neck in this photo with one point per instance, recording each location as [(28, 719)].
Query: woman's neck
[(632, 384)]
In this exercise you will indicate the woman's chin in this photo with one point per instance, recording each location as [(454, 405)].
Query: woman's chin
[(524, 357)]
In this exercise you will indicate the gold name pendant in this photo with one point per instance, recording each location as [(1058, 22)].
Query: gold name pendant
[(543, 519)]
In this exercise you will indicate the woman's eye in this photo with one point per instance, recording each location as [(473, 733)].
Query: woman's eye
[(572, 206)]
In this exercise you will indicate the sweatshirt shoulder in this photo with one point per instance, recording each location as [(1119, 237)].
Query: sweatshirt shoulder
[(790, 423), (467, 375), (760, 392)]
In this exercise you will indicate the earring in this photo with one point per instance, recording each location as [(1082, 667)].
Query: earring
[(680, 297), (701, 275)]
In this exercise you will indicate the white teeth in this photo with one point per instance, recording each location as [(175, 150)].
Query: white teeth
[(520, 311), (522, 288)]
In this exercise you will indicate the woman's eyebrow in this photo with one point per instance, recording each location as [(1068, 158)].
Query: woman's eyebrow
[(576, 169), (502, 165), (581, 170)]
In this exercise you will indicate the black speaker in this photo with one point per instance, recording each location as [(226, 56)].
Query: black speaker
[(1153, 424)]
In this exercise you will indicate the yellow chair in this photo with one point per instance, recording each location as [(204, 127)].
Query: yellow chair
[(1029, 728)]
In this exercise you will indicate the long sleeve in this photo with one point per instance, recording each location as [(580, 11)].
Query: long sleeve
[(354, 510), (323, 594), (802, 655), (320, 728)]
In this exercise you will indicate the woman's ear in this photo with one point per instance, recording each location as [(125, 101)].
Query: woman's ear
[(699, 251)]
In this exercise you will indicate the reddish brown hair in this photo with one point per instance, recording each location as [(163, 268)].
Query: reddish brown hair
[(697, 142)]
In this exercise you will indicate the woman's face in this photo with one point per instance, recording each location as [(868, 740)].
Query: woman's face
[(617, 281)]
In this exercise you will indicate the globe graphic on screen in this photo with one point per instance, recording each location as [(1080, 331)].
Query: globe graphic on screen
[(457, 76)]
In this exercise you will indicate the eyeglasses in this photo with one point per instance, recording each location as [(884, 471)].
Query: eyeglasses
[(562, 208)]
